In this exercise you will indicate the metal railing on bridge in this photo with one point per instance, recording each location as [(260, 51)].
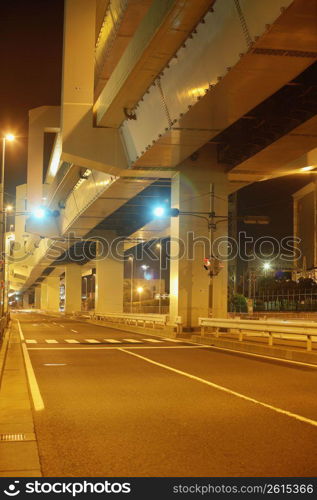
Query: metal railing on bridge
[(139, 320), (287, 330)]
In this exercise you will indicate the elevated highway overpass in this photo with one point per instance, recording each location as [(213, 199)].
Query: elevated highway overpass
[(166, 92)]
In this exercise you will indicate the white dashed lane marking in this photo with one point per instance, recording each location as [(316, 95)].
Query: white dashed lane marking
[(132, 341), (51, 341), (113, 341), (155, 341), (31, 341), (92, 341), (72, 341)]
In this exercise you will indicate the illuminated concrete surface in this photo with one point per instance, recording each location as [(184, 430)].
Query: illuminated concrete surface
[(165, 409)]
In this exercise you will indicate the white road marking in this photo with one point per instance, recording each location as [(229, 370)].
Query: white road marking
[(75, 331), (34, 388), (102, 348), (172, 340), (155, 341), (20, 331), (35, 324), (133, 341), (62, 326), (92, 341), (113, 341), (224, 389), (72, 341), (51, 341), (31, 341), (55, 364)]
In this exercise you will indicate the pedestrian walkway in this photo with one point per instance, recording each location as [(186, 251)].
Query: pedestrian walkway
[(18, 447)]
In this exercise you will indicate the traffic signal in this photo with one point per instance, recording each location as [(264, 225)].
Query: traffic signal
[(213, 265)]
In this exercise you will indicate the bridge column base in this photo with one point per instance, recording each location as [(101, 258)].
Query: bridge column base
[(192, 292), (73, 288)]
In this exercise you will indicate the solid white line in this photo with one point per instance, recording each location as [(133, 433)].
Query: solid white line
[(224, 389), (75, 331), (101, 348), (34, 388), (133, 341), (71, 341), (92, 341), (113, 341), (153, 340), (51, 341), (31, 341), (20, 331)]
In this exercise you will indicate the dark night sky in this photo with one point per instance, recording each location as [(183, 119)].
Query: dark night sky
[(31, 52)]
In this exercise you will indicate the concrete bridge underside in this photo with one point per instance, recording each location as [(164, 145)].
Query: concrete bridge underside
[(162, 95)]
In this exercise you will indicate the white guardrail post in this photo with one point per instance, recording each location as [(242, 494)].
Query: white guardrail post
[(287, 330)]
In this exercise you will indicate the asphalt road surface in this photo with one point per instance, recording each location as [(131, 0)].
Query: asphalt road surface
[(125, 404)]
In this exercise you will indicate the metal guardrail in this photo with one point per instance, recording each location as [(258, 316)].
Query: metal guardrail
[(305, 331), (143, 320)]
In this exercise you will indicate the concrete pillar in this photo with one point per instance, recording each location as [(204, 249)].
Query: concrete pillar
[(192, 293), (53, 293), (37, 297), (43, 287), (41, 119), (26, 299), (109, 279), (72, 288)]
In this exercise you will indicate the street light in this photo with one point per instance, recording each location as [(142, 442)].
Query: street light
[(39, 212), (159, 211), (7, 137), (266, 267)]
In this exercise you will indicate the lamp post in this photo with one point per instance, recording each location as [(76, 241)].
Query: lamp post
[(9, 138), (159, 246), (131, 259)]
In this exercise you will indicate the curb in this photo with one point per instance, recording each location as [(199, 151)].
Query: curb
[(273, 352), (4, 349)]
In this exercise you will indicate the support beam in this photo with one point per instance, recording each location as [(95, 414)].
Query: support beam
[(53, 293), (41, 120), (26, 298), (72, 288), (99, 149), (192, 293), (109, 280), (43, 295), (37, 297)]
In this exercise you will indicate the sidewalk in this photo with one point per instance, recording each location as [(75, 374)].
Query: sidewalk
[(18, 446)]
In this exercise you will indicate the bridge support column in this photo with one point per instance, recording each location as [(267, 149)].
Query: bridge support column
[(37, 297), (192, 293), (109, 278), (43, 287), (26, 299), (72, 288), (53, 293)]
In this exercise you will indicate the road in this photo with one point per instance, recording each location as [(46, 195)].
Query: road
[(138, 405)]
